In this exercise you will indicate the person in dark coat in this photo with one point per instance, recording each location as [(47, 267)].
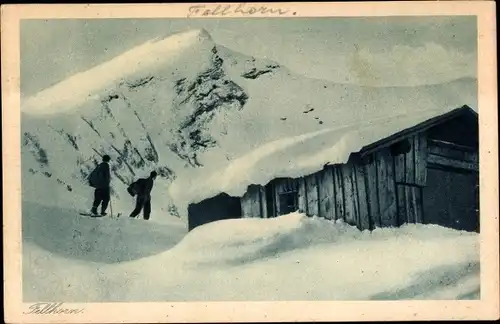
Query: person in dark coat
[(100, 179), (142, 188)]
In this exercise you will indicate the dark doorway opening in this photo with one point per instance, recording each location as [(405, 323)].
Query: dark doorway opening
[(271, 208), (217, 208), (288, 202), (450, 199)]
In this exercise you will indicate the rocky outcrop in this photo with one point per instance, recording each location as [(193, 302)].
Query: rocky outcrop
[(31, 142), (254, 73), (211, 91)]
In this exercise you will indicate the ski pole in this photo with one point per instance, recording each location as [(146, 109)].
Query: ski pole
[(111, 207)]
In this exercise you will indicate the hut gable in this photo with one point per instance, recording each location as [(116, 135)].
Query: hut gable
[(453, 120)]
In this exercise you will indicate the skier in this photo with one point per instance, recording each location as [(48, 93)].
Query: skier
[(142, 188), (100, 179)]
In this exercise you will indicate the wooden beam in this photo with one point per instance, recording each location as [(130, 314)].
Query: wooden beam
[(263, 202), (326, 195), (400, 167), (350, 194), (363, 218), (302, 196), (411, 208), (410, 163), (255, 201), (339, 192), (451, 145), (246, 205), (401, 205), (421, 159), (386, 189), (372, 193), (457, 164), (276, 199), (418, 201), (312, 195), (454, 153), (409, 184)]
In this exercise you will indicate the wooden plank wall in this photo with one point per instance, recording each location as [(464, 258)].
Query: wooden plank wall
[(246, 205), (312, 199), (302, 198), (372, 193), (360, 179), (383, 191), (349, 194), (338, 192), (421, 159), (410, 209), (252, 202), (326, 194), (360, 194), (411, 176), (386, 189), (410, 168)]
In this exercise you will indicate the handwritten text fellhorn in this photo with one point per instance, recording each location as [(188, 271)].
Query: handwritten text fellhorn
[(52, 308), (234, 10)]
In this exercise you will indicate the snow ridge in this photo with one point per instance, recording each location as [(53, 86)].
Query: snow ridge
[(85, 85)]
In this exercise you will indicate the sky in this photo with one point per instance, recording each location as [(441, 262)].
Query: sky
[(374, 51)]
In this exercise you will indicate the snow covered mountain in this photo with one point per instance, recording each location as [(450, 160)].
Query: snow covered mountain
[(184, 102)]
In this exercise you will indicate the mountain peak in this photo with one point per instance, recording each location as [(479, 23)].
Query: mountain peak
[(203, 35), (189, 35)]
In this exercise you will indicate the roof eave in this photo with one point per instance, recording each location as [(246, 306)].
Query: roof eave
[(421, 127)]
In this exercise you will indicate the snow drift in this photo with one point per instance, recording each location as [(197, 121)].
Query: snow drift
[(292, 257), (183, 103)]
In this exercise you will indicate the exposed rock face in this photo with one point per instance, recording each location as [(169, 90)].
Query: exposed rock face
[(211, 91), (31, 142), (254, 72)]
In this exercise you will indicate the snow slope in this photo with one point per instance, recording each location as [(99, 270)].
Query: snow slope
[(183, 103), (64, 232), (292, 257)]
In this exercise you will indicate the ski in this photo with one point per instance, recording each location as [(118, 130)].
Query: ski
[(100, 216), (92, 215)]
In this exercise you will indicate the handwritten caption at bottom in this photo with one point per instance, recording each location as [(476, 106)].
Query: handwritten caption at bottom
[(52, 309), (242, 9)]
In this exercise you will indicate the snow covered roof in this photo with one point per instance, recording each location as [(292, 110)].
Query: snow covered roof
[(299, 156), (418, 128)]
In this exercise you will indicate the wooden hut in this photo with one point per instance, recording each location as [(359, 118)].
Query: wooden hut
[(424, 174)]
